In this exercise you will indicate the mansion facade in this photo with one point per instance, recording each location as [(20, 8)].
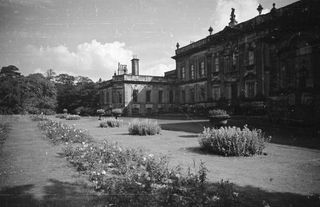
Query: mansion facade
[(274, 56)]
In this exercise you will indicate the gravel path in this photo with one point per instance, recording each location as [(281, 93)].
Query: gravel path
[(32, 173)]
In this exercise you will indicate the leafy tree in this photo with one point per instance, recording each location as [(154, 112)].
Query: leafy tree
[(10, 90), (50, 74), (40, 94), (9, 71)]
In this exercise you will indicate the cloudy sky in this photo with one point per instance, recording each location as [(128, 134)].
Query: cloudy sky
[(90, 37)]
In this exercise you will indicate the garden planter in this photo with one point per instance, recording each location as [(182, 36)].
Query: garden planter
[(219, 120)]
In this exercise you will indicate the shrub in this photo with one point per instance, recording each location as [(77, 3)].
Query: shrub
[(218, 112), (4, 129), (117, 112), (144, 127), (61, 116), (58, 132), (233, 141), (111, 122), (73, 117)]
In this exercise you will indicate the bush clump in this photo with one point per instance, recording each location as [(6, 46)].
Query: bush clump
[(144, 127), (233, 141), (111, 122), (218, 112), (73, 117), (4, 129), (58, 132), (61, 116), (117, 112)]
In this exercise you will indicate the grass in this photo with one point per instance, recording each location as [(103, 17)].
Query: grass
[(265, 172), (136, 177)]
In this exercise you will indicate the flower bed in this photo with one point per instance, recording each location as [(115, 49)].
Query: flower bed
[(128, 175), (141, 179), (4, 129), (111, 122), (233, 141), (58, 132), (144, 127)]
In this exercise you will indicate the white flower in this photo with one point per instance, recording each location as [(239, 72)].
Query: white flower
[(103, 172), (215, 198), (151, 155)]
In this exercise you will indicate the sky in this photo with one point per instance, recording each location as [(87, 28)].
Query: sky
[(90, 37)]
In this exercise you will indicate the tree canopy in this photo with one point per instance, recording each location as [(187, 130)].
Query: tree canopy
[(47, 93)]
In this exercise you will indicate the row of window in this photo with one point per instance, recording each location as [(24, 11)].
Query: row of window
[(231, 91), (201, 97), (117, 97), (192, 71), (231, 64), (148, 96)]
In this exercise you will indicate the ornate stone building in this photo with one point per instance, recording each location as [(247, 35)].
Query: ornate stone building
[(138, 94), (274, 56)]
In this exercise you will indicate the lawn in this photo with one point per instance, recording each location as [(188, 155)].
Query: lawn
[(286, 169), (33, 171)]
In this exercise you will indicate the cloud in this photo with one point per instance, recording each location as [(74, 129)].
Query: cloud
[(93, 59), (160, 69), (244, 10)]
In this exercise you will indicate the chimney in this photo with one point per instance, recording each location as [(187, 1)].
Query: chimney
[(135, 65)]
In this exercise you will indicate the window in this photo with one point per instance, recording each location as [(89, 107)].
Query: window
[(250, 89), (234, 59), (228, 92), (216, 64), (251, 57), (135, 111), (183, 96), (183, 73), (135, 96), (202, 71), (202, 93), (104, 97), (216, 93), (120, 97), (192, 71), (149, 111), (107, 97), (192, 95), (148, 96), (170, 97), (160, 96)]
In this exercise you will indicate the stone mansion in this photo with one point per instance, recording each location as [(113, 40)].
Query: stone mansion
[(271, 56)]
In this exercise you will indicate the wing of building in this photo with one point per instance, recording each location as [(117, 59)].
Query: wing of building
[(274, 56)]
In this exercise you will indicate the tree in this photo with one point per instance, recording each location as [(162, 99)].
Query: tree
[(50, 74), (40, 94), (10, 70), (10, 90), (65, 79)]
